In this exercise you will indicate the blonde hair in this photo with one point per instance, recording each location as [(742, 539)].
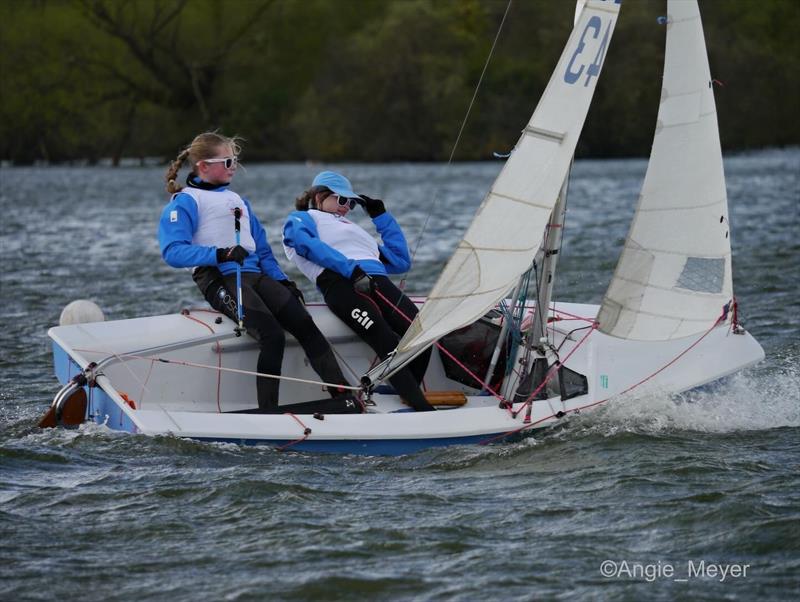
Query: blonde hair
[(204, 146), (304, 201)]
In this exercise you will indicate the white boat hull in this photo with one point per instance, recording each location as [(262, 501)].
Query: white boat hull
[(195, 402)]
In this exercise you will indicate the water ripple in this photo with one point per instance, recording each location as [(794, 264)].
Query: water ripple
[(92, 513)]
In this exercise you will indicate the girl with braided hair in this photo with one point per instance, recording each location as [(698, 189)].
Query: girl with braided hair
[(196, 231)]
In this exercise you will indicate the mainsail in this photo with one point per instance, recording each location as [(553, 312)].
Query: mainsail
[(674, 275), (508, 227)]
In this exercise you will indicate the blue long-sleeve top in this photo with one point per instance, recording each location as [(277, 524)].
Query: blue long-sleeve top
[(300, 232), (180, 220)]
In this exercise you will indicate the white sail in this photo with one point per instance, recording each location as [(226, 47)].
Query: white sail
[(509, 225), (674, 275)]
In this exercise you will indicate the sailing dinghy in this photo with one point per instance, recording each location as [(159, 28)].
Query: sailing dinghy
[(668, 320)]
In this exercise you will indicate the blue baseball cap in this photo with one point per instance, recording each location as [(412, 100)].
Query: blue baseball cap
[(335, 182)]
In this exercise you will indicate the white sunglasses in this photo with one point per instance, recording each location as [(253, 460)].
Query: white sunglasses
[(228, 161), (344, 201)]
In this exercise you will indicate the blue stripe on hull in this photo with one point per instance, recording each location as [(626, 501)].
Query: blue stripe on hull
[(63, 365), (366, 447)]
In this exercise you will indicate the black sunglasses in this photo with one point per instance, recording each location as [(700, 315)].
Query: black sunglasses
[(344, 201)]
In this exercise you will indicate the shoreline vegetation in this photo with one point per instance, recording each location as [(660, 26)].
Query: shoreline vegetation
[(97, 82), (158, 162)]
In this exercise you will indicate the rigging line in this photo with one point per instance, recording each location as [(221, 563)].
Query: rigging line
[(541, 313), (144, 384), (485, 385), (150, 369), (232, 370), (342, 361), (561, 312), (461, 131), (306, 433), (569, 334), (129, 369), (219, 357), (551, 372), (620, 394)]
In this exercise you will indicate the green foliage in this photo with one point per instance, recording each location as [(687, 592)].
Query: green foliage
[(368, 80)]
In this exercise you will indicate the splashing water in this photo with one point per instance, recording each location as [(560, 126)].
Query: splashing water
[(749, 400)]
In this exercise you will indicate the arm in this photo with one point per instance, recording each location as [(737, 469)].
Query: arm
[(394, 250), (175, 230), (266, 259), (300, 233)]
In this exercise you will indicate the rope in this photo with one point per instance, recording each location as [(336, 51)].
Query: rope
[(480, 380), (219, 358), (560, 313), (306, 433), (458, 137), (221, 369), (568, 335), (596, 403), (550, 373), (143, 383)]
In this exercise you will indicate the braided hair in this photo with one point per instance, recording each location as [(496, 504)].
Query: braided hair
[(204, 146)]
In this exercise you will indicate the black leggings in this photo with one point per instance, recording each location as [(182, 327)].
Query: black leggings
[(268, 309), (379, 325)]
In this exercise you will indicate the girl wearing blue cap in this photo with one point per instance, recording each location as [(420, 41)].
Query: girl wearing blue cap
[(197, 230), (350, 268)]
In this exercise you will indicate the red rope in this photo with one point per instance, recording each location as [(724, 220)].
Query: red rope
[(219, 352), (446, 352), (306, 433), (553, 371), (186, 315), (573, 316), (595, 403), (675, 359)]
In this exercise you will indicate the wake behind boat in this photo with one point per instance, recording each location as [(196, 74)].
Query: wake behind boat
[(668, 320)]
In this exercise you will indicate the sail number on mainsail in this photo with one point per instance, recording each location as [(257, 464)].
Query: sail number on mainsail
[(596, 25)]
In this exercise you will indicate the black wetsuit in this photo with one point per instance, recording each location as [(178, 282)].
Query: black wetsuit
[(379, 325), (270, 308)]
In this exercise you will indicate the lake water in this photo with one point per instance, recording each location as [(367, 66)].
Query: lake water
[(646, 483)]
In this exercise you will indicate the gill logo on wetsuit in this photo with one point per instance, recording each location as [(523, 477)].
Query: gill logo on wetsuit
[(226, 299), (362, 317)]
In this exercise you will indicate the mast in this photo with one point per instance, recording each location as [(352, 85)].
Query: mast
[(552, 244), (546, 281), (551, 247)]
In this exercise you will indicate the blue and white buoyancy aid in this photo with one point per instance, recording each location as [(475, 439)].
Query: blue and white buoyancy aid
[(196, 222), (315, 240)]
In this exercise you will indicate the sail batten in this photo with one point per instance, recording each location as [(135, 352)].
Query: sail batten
[(530, 203), (693, 207), (509, 226), (674, 274), (545, 134)]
